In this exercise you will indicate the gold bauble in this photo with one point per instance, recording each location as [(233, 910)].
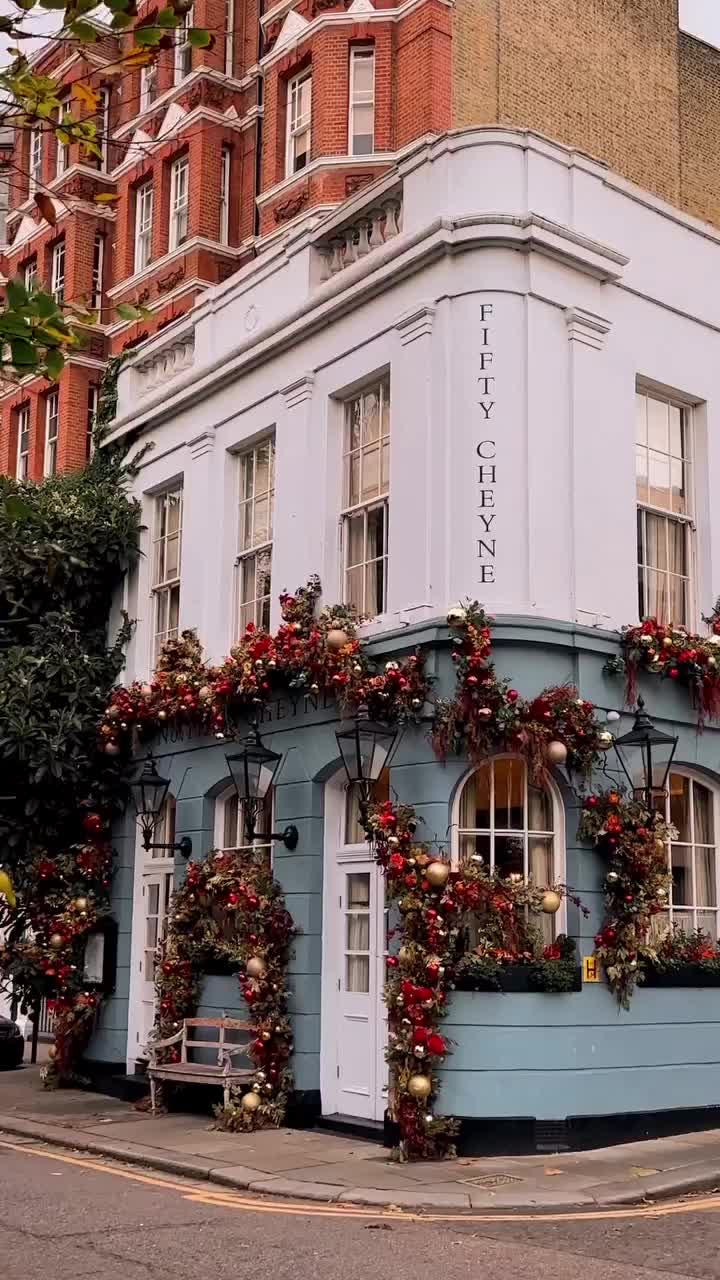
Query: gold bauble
[(81, 904), (605, 740), (336, 639), (556, 752), (419, 1087), (52, 1052), (250, 1102), (405, 956), (551, 902), (437, 873), (255, 967), (57, 941)]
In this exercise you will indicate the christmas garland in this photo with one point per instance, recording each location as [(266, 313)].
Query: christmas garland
[(310, 654), (434, 901), (230, 907), (674, 654), (634, 842), (558, 727), (71, 898)]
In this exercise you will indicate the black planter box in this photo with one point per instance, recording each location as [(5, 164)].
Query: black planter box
[(690, 975), (518, 979)]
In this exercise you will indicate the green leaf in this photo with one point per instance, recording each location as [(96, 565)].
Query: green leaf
[(148, 35), (200, 39), (23, 352), (54, 363), (45, 306), (127, 311), (83, 31), (17, 294), (167, 18), (16, 508), (121, 20)]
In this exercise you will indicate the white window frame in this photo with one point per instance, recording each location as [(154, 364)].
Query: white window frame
[(97, 271), (179, 202), (360, 97), (229, 35), (365, 507), (35, 160), (183, 50), (144, 201), (557, 835), (254, 553), (230, 822), (52, 431), (62, 151), (57, 285), (692, 909), (225, 163), (105, 126), (671, 518), (148, 86), (166, 587), (22, 465), (30, 274), (297, 125), (93, 402)]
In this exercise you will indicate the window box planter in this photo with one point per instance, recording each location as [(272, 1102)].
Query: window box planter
[(549, 978), (686, 975)]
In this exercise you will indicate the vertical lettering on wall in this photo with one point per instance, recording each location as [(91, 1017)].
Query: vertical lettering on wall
[(485, 449)]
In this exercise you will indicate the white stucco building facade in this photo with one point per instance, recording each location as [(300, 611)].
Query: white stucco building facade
[(494, 374)]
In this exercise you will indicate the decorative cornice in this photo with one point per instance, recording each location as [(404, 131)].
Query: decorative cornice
[(417, 323), (299, 391), (201, 445), (586, 328)]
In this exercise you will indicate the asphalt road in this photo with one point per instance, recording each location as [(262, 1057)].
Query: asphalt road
[(65, 1218)]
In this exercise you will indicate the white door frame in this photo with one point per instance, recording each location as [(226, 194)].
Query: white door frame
[(337, 856), (144, 865)]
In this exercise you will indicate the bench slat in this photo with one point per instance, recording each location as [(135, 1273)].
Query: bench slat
[(231, 1024)]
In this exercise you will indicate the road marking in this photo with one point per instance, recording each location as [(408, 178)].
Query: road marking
[(299, 1208)]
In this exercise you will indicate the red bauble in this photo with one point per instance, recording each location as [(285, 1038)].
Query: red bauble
[(93, 823), (673, 673), (436, 1045)]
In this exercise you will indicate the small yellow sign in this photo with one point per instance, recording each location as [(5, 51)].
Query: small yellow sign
[(591, 969)]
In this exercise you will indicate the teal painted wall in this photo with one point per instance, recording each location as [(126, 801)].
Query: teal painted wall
[(519, 1055)]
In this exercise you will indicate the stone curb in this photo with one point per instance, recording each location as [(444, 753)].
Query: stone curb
[(699, 1176)]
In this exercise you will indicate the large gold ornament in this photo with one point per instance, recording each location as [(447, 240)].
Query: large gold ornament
[(255, 967), (551, 902), (56, 941), (556, 753), (251, 1101), (419, 1087), (336, 639), (437, 873)]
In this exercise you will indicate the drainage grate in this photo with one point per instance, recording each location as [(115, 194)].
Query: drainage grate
[(552, 1135), (492, 1180)]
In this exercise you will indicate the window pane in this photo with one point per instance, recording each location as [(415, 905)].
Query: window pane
[(352, 481), (704, 819), (363, 71), (172, 557), (357, 973), (509, 855), (641, 474), (261, 532), (478, 846), (174, 508), (681, 875), (376, 532), (540, 810), (358, 889), (678, 485), (248, 579), (680, 805), (475, 800), (375, 589), (509, 795), (677, 432), (658, 424), (153, 898), (173, 611), (678, 606), (230, 823), (705, 884), (540, 860), (708, 922), (371, 416), (354, 581), (357, 926), (659, 480), (355, 528), (370, 473), (656, 541), (677, 540)]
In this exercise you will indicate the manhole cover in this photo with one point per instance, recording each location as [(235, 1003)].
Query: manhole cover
[(492, 1180)]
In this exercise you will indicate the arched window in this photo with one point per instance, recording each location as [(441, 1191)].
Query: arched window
[(693, 857), (230, 829), (513, 824)]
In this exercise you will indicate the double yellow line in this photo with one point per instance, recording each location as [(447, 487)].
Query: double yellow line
[(209, 1195)]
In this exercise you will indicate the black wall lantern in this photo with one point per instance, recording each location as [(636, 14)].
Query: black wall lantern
[(656, 750), (253, 769), (366, 747), (149, 792)]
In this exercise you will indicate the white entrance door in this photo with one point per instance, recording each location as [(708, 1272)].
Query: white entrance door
[(156, 891), (354, 1026)]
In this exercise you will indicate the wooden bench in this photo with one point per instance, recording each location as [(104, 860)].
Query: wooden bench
[(222, 1072)]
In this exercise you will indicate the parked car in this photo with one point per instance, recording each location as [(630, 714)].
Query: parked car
[(12, 1044)]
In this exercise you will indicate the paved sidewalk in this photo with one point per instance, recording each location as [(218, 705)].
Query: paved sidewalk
[(315, 1165)]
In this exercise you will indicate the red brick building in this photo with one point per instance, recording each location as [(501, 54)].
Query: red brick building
[(215, 153)]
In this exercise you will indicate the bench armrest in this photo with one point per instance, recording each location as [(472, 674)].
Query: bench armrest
[(154, 1045), (241, 1048)]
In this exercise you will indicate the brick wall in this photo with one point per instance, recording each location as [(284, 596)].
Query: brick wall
[(700, 128)]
